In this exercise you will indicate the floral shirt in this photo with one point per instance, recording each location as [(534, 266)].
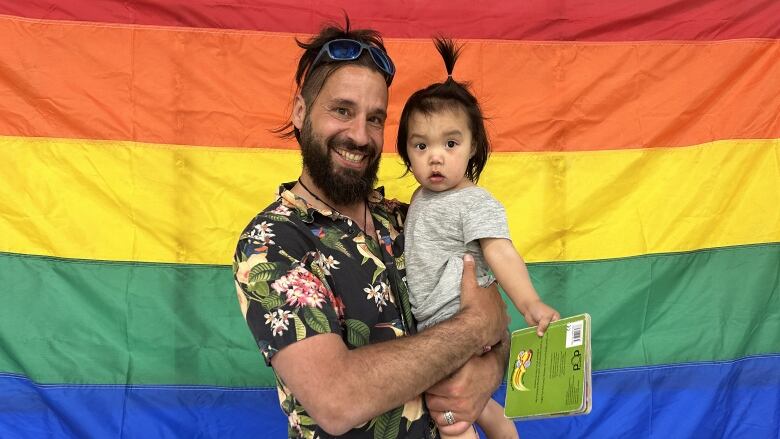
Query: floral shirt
[(300, 272)]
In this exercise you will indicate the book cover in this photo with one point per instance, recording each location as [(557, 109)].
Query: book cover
[(550, 376)]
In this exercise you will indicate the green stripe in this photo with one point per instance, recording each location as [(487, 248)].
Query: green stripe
[(72, 321), (77, 321), (706, 305)]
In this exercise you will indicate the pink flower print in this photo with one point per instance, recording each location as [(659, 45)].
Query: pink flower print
[(301, 287)]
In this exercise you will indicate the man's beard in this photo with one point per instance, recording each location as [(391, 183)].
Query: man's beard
[(346, 186)]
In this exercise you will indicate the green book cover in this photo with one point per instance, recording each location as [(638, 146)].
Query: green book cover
[(550, 376)]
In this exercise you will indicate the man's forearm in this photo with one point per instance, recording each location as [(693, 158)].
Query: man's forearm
[(403, 368), (375, 378)]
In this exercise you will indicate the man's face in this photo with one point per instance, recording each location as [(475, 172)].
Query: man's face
[(342, 133)]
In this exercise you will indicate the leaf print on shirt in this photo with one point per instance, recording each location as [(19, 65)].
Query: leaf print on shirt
[(390, 229), (357, 333), (332, 239), (386, 426), (365, 247), (316, 320)]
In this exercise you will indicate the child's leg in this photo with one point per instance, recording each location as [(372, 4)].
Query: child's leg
[(494, 424)]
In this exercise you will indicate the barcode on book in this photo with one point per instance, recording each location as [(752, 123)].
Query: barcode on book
[(574, 334)]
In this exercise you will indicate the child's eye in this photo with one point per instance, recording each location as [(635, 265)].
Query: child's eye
[(420, 146), (451, 144)]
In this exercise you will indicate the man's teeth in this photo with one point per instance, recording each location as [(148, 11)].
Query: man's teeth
[(350, 156)]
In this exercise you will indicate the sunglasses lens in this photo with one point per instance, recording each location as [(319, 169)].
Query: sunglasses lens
[(344, 49), (381, 60)]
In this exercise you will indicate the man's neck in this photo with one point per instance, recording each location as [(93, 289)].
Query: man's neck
[(316, 197)]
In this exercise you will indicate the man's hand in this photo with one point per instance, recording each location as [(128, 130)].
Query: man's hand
[(466, 392), (482, 309)]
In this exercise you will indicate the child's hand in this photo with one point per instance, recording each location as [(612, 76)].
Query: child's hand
[(541, 314)]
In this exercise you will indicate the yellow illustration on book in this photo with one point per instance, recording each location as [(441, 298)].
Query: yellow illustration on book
[(521, 367)]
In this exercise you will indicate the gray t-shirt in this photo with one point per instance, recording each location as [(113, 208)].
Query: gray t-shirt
[(439, 229)]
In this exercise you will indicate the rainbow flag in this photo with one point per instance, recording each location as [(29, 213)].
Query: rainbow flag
[(637, 151)]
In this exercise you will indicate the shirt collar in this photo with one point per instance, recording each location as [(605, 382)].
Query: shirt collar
[(306, 210)]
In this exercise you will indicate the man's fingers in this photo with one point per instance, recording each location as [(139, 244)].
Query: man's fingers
[(454, 429), (469, 270)]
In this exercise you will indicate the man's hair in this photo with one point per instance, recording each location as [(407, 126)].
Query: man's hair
[(449, 95), (309, 82)]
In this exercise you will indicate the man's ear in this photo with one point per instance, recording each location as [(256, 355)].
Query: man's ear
[(299, 112)]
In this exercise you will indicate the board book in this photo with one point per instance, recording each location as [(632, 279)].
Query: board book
[(550, 376)]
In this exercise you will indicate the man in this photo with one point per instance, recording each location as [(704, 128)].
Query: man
[(320, 274)]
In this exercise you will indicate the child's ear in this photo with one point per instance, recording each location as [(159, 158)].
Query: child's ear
[(299, 111)]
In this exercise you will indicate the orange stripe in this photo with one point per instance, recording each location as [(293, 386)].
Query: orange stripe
[(228, 88)]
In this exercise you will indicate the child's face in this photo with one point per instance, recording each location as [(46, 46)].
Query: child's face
[(439, 146)]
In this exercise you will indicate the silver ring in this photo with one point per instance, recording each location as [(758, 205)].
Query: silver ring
[(449, 417)]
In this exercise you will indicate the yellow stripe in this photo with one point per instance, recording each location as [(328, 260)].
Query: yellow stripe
[(161, 203)]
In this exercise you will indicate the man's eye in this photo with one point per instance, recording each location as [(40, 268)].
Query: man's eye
[(342, 111), (451, 144), (376, 120)]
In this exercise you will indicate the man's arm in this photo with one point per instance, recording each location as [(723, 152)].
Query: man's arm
[(342, 388)]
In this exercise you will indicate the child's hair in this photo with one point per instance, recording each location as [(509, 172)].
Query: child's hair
[(447, 95)]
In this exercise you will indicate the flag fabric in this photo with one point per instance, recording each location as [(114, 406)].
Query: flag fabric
[(636, 148)]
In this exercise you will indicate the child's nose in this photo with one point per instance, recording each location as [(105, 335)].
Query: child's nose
[(435, 156)]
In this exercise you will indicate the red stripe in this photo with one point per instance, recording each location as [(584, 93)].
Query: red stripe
[(564, 20)]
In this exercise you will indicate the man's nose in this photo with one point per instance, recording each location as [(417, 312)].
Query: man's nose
[(358, 132)]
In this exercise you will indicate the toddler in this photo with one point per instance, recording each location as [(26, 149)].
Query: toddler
[(443, 142)]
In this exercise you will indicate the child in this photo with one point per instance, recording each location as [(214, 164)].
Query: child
[(442, 140)]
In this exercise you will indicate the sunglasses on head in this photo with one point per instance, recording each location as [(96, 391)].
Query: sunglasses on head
[(348, 50)]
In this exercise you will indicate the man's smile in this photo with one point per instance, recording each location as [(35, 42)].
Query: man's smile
[(350, 155)]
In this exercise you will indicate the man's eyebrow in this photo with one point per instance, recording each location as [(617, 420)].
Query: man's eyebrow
[(342, 102), (380, 112)]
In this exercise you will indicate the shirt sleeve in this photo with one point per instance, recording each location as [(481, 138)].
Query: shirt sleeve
[(483, 216), (281, 287)]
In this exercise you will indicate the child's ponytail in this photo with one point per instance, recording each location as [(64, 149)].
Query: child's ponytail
[(448, 95), (449, 54)]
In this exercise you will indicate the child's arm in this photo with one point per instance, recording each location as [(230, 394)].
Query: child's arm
[(510, 270)]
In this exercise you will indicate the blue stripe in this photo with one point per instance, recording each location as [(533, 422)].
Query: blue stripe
[(733, 399)]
